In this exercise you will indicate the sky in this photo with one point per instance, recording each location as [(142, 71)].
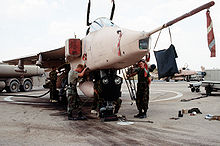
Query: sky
[(28, 27)]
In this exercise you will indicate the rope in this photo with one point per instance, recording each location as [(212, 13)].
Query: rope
[(159, 36), (157, 39), (170, 35)]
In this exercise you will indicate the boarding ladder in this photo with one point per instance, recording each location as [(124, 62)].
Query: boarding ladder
[(130, 83)]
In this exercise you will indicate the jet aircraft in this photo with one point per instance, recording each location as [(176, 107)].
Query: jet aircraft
[(106, 48)]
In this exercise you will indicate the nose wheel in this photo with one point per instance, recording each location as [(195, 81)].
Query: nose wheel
[(107, 114), (110, 93)]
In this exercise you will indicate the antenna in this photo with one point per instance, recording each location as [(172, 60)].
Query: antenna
[(88, 12), (113, 10)]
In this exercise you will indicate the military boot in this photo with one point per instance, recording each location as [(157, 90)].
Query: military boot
[(138, 115), (81, 116), (70, 116), (144, 115)]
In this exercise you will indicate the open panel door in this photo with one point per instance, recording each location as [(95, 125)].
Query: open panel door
[(73, 48)]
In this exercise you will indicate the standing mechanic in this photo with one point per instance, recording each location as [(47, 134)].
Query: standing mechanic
[(74, 102), (52, 85), (142, 88)]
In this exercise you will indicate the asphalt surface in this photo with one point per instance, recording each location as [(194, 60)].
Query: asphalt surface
[(35, 121)]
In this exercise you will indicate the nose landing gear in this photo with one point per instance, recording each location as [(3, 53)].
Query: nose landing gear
[(111, 91)]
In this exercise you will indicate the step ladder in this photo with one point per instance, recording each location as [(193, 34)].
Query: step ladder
[(130, 83)]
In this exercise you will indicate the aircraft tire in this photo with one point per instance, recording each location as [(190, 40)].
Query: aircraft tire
[(167, 79), (192, 89)]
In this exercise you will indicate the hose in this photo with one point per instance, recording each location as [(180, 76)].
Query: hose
[(186, 100), (16, 95)]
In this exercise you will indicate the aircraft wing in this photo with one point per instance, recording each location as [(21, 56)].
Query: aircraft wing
[(45, 59)]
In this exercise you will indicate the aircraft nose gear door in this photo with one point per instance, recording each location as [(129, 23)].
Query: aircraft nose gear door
[(111, 91)]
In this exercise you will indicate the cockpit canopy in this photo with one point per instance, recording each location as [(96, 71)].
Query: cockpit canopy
[(100, 23)]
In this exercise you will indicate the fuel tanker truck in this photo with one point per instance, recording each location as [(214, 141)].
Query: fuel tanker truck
[(14, 79)]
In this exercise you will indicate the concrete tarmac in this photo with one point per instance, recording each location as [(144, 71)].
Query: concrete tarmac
[(35, 121)]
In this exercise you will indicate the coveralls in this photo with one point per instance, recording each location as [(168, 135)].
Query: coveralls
[(74, 102), (142, 95), (53, 80)]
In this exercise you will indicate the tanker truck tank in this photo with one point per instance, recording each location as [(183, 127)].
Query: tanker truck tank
[(13, 71), (2, 85), (14, 79)]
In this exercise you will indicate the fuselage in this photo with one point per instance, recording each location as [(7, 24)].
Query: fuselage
[(110, 46)]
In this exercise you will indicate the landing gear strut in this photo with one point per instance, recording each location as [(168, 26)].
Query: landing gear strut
[(111, 91)]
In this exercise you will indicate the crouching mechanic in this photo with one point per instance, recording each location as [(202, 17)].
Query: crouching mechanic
[(74, 102)]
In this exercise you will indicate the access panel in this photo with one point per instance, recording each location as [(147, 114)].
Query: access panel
[(73, 48)]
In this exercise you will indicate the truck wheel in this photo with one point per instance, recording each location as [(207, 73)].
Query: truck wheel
[(197, 90), (13, 87), (192, 89), (27, 86)]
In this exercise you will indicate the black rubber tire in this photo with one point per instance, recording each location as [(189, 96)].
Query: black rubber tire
[(192, 89), (27, 86), (13, 87), (167, 79), (197, 90)]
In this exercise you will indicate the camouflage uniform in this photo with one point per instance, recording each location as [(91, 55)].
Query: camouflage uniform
[(117, 104), (62, 92), (142, 91), (98, 100), (73, 97), (53, 80)]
